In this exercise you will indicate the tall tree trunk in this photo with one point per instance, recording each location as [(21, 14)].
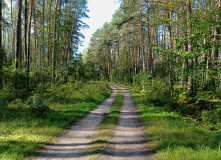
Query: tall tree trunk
[(18, 44), (42, 55), (54, 40), (217, 39), (216, 55), (13, 33), (35, 42), (29, 39), (169, 26), (25, 33), (149, 40), (1, 49), (140, 36), (19, 40), (189, 32), (35, 31), (118, 47), (135, 59), (49, 29)]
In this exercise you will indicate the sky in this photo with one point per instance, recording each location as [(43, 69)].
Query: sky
[(100, 12)]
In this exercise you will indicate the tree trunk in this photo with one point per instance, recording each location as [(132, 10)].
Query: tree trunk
[(49, 29), (169, 16), (35, 43), (189, 32), (25, 33), (13, 33), (217, 39), (19, 43), (140, 37), (29, 39), (149, 40), (42, 56), (54, 39), (1, 49)]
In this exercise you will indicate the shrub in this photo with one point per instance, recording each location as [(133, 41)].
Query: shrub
[(3, 104), (37, 106), (212, 118)]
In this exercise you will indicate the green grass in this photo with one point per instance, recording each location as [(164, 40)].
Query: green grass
[(175, 137), (106, 128), (22, 132)]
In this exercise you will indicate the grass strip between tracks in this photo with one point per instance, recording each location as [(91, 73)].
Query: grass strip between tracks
[(106, 129)]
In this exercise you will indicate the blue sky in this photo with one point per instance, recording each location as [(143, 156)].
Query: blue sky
[(100, 11)]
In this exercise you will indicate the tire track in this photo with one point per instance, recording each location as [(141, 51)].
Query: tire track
[(74, 143), (128, 142)]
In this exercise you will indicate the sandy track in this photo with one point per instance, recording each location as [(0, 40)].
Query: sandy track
[(72, 145), (128, 142)]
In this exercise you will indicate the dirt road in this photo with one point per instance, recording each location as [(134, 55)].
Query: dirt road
[(128, 142), (73, 144)]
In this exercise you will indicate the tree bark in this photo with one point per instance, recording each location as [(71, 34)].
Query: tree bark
[(189, 32), (49, 30), (29, 39), (1, 49), (54, 40), (217, 39), (18, 44), (149, 40), (19, 40), (25, 33)]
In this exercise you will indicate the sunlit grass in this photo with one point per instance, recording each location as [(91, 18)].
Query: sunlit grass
[(176, 138), (21, 132)]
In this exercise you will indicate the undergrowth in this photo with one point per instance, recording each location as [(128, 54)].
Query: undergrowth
[(179, 127), (25, 126)]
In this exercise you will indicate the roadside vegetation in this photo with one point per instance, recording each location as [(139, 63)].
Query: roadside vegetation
[(174, 129), (106, 128), (25, 126)]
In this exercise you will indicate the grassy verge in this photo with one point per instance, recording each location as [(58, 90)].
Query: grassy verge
[(175, 137), (22, 131), (106, 128)]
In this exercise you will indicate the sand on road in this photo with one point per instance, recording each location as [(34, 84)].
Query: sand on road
[(74, 143), (128, 142)]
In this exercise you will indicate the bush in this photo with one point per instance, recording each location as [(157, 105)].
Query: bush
[(212, 118), (3, 104), (37, 106)]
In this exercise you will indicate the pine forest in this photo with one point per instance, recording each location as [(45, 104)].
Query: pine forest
[(167, 53)]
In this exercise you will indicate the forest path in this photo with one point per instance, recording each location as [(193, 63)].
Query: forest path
[(74, 143), (128, 142)]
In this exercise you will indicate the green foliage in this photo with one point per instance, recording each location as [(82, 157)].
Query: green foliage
[(201, 106), (30, 132), (174, 136), (37, 106), (212, 118), (3, 104), (159, 88)]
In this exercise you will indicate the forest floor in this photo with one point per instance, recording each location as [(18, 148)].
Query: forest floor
[(127, 142)]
